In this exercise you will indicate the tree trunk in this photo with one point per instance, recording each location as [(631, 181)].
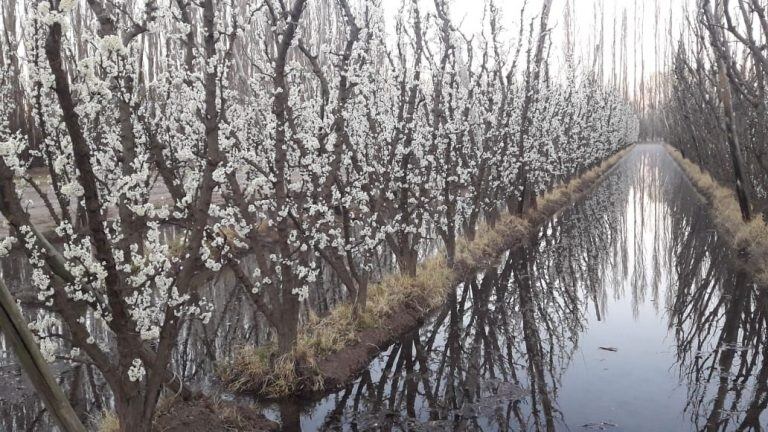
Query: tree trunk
[(130, 412), (362, 297), (717, 38), (407, 261), (288, 325)]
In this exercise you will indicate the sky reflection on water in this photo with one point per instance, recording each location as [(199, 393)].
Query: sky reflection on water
[(635, 267)]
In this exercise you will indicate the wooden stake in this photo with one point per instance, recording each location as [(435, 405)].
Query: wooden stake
[(17, 333)]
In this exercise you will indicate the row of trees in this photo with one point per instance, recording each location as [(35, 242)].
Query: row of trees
[(520, 325), (716, 99), (285, 131)]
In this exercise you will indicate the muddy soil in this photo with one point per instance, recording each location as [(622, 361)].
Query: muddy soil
[(207, 416)]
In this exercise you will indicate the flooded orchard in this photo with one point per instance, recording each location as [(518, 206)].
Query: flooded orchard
[(627, 313)]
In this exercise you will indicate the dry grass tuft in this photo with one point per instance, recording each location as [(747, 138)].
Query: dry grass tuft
[(427, 289), (751, 237), (108, 422), (262, 371), (335, 331), (258, 370), (231, 416)]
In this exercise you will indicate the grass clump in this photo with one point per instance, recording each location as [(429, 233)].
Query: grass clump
[(426, 290), (490, 241), (321, 336), (108, 422), (263, 371)]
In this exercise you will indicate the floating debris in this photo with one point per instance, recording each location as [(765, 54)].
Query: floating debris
[(603, 425)]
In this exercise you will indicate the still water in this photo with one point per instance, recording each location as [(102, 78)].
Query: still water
[(625, 313)]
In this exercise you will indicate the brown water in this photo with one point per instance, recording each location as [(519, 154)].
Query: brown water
[(635, 268)]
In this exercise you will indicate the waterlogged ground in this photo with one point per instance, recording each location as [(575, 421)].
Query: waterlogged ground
[(625, 314)]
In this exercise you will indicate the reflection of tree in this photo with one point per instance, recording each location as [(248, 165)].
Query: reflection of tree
[(642, 234), (493, 357), (533, 342), (722, 349), (719, 319), (200, 347)]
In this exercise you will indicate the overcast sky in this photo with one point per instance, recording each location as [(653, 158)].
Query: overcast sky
[(650, 38)]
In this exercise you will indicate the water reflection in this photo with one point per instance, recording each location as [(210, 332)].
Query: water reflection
[(200, 350), (624, 313), (528, 344), (719, 322)]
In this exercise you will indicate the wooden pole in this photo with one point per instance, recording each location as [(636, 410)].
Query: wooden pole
[(19, 336)]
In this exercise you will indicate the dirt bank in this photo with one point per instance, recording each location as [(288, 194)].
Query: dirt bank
[(201, 415), (749, 238), (207, 416)]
